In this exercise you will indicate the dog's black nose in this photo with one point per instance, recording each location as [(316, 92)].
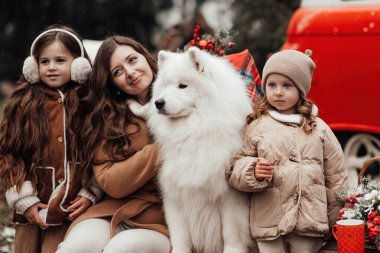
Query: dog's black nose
[(160, 103)]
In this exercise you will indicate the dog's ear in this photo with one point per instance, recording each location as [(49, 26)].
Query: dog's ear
[(195, 57), (162, 55)]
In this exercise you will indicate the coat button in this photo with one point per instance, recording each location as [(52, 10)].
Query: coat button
[(295, 197), (60, 180), (60, 139)]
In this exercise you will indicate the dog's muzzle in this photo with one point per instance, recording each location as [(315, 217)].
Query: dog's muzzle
[(160, 103)]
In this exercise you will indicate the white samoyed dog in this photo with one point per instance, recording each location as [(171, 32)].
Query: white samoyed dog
[(198, 116)]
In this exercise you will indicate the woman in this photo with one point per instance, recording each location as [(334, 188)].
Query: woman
[(120, 152)]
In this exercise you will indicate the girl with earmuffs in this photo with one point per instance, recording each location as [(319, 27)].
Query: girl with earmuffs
[(39, 161)]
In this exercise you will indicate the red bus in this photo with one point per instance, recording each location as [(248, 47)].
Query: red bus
[(344, 37)]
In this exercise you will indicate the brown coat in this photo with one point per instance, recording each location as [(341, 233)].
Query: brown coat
[(53, 175), (309, 170), (130, 186)]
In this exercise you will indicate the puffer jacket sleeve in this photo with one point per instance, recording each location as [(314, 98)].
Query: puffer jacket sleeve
[(120, 179), (335, 174), (241, 175)]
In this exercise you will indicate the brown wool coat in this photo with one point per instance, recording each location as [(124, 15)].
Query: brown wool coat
[(130, 186), (51, 174), (308, 171)]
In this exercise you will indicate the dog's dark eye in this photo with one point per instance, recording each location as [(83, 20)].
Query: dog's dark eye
[(182, 86)]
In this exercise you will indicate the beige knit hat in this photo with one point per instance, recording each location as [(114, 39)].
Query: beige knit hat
[(296, 66)]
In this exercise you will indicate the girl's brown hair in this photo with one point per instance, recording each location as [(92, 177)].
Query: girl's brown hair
[(109, 116), (24, 130), (303, 107)]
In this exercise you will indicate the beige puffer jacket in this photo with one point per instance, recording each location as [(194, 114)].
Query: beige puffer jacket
[(308, 170)]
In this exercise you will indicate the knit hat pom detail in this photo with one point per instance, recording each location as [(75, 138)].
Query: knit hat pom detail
[(308, 52)]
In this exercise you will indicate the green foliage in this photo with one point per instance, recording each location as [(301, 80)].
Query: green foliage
[(262, 25)]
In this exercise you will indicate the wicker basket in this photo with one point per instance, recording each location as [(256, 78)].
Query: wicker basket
[(368, 244)]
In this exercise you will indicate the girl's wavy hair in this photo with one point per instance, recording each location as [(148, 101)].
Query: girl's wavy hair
[(304, 107), (108, 117), (24, 130)]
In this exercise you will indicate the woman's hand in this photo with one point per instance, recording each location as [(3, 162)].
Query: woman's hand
[(80, 205), (31, 214), (263, 170)]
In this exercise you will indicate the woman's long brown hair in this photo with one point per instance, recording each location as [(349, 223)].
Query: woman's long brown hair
[(304, 107), (108, 117), (24, 130)]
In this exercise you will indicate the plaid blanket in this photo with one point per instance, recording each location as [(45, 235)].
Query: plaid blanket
[(245, 64)]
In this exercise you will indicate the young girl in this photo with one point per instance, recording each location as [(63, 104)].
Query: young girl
[(38, 147), (121, 154), (291, 161)]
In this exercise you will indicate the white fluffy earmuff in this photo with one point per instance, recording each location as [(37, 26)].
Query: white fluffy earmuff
[(80, 67)]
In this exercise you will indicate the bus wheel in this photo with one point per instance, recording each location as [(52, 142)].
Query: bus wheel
[(359, 148)]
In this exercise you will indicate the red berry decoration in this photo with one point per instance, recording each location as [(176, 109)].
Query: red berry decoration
[(210, 44), (202, 44), (376, 220), (372, 215)]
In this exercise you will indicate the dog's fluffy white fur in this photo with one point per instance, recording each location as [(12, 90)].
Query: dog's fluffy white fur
[(198, 119)]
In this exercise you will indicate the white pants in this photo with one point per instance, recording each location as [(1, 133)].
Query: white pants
[(291, 243), (93, 236)]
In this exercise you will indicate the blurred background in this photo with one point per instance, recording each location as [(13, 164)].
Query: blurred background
[(157, 24)]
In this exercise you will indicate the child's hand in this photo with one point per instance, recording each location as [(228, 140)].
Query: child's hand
[(80, 205), (263, 170), (31, 214)]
